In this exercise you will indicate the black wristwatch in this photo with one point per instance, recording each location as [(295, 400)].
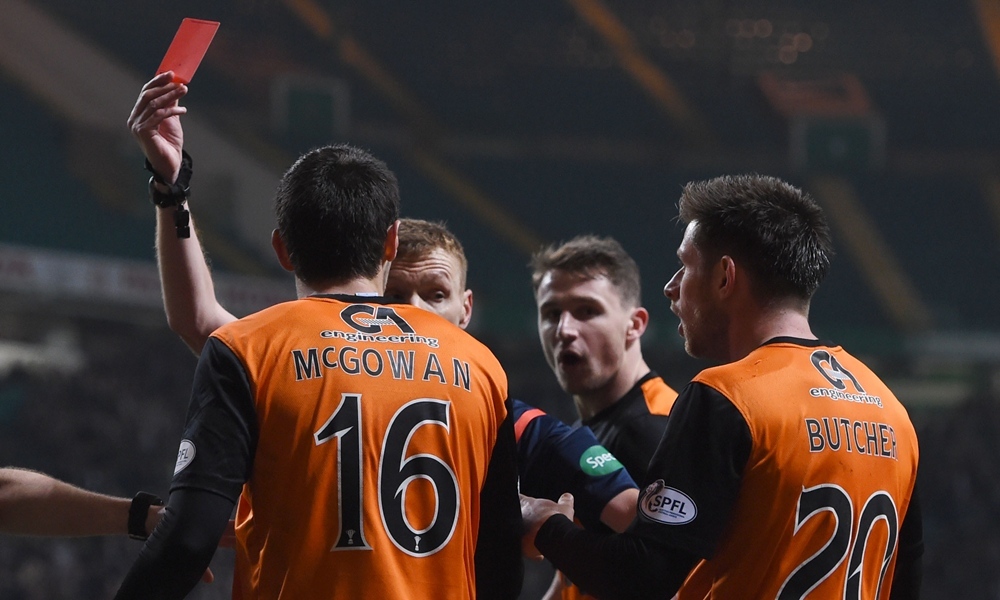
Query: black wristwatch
[(174, 195), (178, 191), (138, 512)]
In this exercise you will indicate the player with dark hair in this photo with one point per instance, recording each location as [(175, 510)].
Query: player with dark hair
[(787, 471), (369, 443), (590, 321)]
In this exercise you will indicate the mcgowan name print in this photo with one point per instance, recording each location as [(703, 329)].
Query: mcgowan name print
[(384, 428)]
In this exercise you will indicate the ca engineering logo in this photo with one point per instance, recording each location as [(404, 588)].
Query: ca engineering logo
[(829, 367), (369, 319), (839, 377), (667, 505)]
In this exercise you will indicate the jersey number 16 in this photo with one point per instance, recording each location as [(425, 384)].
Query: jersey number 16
[(396, 472)]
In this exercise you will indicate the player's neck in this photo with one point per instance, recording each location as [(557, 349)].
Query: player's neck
[(594, 401), (366, 287), (769, 325)]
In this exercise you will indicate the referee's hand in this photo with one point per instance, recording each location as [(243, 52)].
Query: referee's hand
[(155, 123)]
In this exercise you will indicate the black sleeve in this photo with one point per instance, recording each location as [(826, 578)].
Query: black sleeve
[(700, 460), (613, 566), (499, 569), (220, 435), (180, 548), (214, 461), (643, 436), (695, 475), (908, 576)]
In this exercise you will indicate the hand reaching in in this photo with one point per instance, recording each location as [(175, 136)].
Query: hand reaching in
[(534, 512)]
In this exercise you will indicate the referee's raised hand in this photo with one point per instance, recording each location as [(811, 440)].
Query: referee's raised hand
[(155, 122)]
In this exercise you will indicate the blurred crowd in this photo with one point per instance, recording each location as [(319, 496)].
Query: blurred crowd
[(959, 483), (114, 426)]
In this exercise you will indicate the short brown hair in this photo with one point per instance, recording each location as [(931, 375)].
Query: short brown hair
[(418, 237), (591, 256), (775, 229)]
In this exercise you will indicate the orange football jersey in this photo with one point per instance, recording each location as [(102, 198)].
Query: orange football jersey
[(376, 425), (832, 465)]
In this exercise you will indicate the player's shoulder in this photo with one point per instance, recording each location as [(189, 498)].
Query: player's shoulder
[(357, 316), (257, 323), (778, 363), (442, 335), (350, 320), (781, 355), (448, 334), (658, 395), (520, 407)]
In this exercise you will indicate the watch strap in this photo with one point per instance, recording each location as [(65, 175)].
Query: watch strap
[(178, 191), (138, 511)]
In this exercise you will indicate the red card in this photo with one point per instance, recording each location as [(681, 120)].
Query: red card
[(188, 48)]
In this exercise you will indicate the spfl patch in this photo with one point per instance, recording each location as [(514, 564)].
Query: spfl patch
[(667, 505), (185, 454)]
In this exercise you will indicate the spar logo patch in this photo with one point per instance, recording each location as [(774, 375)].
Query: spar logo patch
[(667, 505), (598, 461), (185, 454)]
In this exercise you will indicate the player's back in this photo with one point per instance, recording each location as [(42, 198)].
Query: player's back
[(376, 426), (830, 475)]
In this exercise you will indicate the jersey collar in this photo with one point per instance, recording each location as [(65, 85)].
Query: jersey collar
[(358, 298), (621, 403), (787, 339)]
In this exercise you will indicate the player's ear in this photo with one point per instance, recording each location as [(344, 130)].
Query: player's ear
[(391, 242), (726, 274), (281, 251), (637, 324), (466, 309)]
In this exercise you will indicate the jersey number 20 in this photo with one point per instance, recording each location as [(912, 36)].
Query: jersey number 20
[(819, 566), (395, 473)]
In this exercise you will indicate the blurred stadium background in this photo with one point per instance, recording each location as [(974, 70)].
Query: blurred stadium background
[(518, 123)]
